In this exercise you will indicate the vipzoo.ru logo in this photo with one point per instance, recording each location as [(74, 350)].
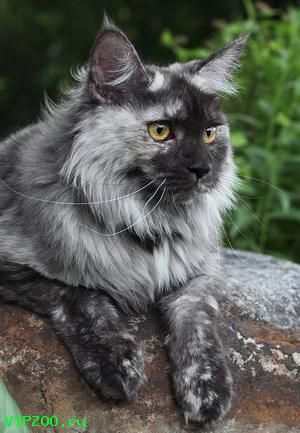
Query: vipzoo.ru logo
[(44, 421)]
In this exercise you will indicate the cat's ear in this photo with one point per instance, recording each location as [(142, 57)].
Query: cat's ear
[(114, 64), (214, 75)]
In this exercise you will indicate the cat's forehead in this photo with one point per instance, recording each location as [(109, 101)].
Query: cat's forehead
[(167, 108), (173, 93), (162, 77)]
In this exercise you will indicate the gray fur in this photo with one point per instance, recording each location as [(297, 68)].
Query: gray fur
[(68, 202)]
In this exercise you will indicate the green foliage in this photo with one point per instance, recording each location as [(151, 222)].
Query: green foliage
[(265, 124), (8, 411)]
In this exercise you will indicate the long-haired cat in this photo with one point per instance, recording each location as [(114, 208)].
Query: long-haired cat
[(113, 202)]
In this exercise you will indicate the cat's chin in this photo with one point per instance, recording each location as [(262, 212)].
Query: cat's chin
[(203, 188), (191, 195)]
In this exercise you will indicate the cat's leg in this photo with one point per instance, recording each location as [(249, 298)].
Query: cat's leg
[(89, 323), (201, 379)]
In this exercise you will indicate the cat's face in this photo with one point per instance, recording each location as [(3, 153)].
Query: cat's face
[(159, 124), (184, 132)]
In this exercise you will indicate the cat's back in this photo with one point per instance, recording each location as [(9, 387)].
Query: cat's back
[(11, 149), (13, 144)]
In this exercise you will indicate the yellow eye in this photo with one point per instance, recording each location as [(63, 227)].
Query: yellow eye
[(159, 131), (210, 134)]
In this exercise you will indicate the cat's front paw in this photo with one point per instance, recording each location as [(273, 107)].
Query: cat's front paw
[(204, 393), (114, 367)]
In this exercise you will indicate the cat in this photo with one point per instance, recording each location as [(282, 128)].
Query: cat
[(112, 203)]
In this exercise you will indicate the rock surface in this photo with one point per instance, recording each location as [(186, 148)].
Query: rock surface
[(261, 334)]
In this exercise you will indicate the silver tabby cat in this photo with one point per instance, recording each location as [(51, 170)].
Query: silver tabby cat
[(113, 202)]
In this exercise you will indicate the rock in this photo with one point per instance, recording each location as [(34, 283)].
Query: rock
[(265, 286), (261, 334)]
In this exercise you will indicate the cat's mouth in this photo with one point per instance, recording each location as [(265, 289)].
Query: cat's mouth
[(185, 192), (188, 183), (183, 186)]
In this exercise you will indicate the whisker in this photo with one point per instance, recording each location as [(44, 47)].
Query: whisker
[(251, 197), (229, 243), (138, 220), (265, 183), (238, 229), (74, 203), (217, 247), (245, 204), (175, 204)]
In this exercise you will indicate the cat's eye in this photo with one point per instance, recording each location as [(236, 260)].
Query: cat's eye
[(209, 134), (160, 131)]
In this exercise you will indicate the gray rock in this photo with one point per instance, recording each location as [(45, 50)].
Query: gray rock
[(266, 286)]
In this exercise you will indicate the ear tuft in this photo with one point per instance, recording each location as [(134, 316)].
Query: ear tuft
[(114, 64), (108, 24), (214, 75)]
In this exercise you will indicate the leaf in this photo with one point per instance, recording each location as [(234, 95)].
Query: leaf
[(8, 409), (282, 119), (285, 202), (250, 9), (292, 215), (238, 139), (266, 107), (166, 38)]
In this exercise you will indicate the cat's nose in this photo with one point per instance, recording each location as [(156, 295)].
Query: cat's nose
[(200, 170)]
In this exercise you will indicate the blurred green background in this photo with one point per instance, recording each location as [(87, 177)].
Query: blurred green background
[(40, 40)]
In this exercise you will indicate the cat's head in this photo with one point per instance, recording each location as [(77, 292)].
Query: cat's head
[(146, 124)]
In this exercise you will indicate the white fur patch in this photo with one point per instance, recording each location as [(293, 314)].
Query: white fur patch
[(194, 401), (206, 376), (210, 85), (59, 314), (211, 301), (190, 373), (175, 67), (157, 82), (172, 110)]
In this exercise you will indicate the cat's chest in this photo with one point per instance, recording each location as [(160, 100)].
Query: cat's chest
[(138, 270), (171, 261)]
